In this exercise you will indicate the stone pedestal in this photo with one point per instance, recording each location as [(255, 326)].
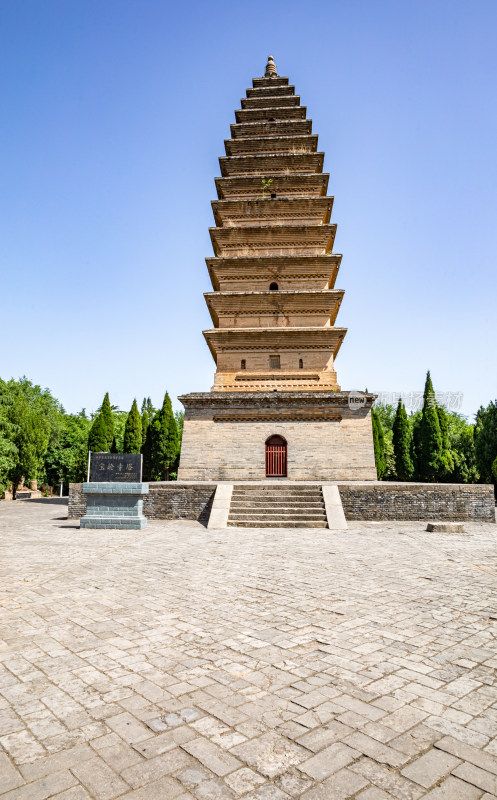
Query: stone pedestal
[(328, 437), (114, 505)]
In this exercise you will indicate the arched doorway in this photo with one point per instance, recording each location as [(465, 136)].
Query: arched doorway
[(275, 457)]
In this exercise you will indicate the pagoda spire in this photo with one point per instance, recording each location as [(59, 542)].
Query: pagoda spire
[(270, 68)]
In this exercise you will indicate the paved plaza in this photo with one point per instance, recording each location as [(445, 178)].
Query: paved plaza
[(178, 662)]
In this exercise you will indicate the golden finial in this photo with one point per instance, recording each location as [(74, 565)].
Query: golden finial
[(270, 68)]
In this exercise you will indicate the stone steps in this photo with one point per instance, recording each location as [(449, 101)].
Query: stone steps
[(277, 506), (263, 523)]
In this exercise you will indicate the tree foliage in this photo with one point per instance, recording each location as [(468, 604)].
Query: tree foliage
[(98, 441), (108, 418), (162, 443), (132, 441), (428, 437), (402, 444), (66, 459), (486, 442), (379, 445)]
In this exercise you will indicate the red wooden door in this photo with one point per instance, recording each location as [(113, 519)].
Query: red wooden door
[(276, 457)]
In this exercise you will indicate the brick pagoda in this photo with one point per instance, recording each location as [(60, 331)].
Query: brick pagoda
[(274, 308)]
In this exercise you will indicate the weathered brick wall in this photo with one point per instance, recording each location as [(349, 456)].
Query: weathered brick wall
[(165, 501), (361, 501), (175, 501), (317, 451), (77, 501), (418, 501)]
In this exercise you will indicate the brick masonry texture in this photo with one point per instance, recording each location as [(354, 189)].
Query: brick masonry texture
[(361, 501), (411, 501), (218, 446), (188, 664), (170, 500)]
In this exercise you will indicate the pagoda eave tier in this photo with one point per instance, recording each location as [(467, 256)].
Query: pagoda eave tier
[(253, 130), (270, 114), (287, 100), (272, 211), (277, 239), (268, 340), (317, 272), (274, 164), (276, 80), (270, 308), (242, 187), (280, 145), (271, 91)]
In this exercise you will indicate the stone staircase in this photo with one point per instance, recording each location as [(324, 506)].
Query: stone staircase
[(277, 506)]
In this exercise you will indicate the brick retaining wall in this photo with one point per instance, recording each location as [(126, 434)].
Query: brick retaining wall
[(418, 501), (361, 501), (168, 500), (77, 501), (179, 501)]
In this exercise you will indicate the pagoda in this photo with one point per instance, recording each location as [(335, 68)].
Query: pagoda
[(274, 307)]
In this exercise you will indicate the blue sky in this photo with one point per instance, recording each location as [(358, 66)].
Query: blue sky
[(113, 117)]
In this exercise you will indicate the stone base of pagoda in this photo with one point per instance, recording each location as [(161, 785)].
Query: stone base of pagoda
[(328, 435)]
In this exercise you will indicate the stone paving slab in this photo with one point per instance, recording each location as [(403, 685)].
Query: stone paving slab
[(193, 664)]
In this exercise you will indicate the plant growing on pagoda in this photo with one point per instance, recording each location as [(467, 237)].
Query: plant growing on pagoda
[(133, 431), (266, 183)]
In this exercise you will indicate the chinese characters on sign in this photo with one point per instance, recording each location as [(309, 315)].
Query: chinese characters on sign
[(116, 467)]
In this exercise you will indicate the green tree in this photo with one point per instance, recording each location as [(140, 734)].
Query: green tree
[(462, 446), (386, 414), (447, 462), (97, 439), (147, 414), (162, 443), (485, 435), (133, 431), (428, 437), (379, 445), (402, 444), (108, 418), (30, 436), (66, 459)]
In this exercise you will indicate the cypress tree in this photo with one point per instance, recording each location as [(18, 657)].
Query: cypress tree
[(163, 441), (429, 436), (145, 418), (379, 445), (106, 412), (447, 463), (404, 467), (133, 431), (485, 436), (97, 438)]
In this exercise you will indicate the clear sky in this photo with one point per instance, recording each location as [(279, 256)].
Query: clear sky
[(113, 116)]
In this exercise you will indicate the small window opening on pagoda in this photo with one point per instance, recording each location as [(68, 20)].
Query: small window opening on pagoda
[(301, 363), (243, 364), (273, 287), (274, 362), (273, 196)]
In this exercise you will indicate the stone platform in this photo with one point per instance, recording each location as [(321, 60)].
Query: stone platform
[(368, 500), (192, 665), (114, 505), (224, 435)]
